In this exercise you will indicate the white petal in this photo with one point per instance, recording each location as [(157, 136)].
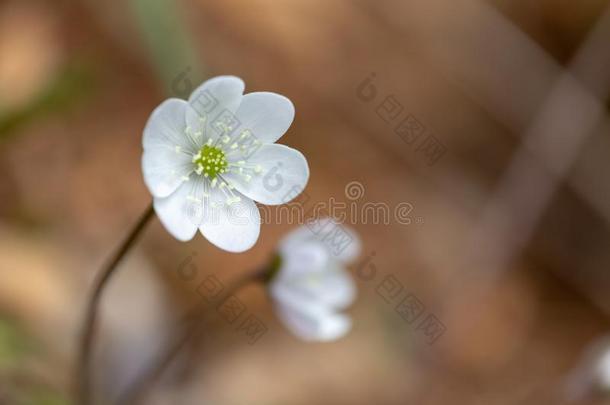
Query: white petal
[(311, 274), (322, 329), (304, 259), (283, 170), (227, 92), (341, 241), (334, 287), (267, 115), (233, 227), (180, 212), (309, 321), (340, 288), (166, 126), (164, 169), (216, 99), (334, 327)]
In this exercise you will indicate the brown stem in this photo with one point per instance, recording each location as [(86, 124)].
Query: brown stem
[(137, 391), (83, 376)]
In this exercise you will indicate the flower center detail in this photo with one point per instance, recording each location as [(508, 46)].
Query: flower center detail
[(210, 161)]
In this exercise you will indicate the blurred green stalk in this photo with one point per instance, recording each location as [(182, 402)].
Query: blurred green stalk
[(172, 53), (72, 84)]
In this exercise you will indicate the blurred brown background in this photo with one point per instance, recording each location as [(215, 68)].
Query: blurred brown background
[(507, 243)]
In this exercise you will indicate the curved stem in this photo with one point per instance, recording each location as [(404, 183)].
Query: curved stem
[(194, 327), (83, 377)]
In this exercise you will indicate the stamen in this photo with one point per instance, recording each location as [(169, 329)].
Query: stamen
[(193, 199)]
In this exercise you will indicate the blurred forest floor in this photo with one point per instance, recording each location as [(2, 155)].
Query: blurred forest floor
[(78, 80)]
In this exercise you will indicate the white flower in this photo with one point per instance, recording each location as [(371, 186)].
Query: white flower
[(207, 160), (310, 284), (603, 371), (591, 376)]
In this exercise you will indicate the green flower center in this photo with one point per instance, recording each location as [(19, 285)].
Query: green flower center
[(210, 161)]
